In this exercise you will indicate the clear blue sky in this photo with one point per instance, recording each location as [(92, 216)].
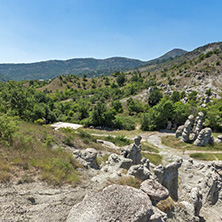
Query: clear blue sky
[(144, 29)]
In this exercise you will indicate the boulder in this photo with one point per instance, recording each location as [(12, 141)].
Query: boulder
[(139, 171), (154, 190), (158, 216), (168, 177), (114, 203), (133, 151), (204, 137), (179, 131), (87, 157), (116, 162), (219, 139)]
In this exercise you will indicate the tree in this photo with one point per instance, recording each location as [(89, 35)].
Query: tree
[(98, 114), (117, 105), (120, 79), (175, 97), (155, 97)]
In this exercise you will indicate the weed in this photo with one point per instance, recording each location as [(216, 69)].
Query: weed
[(156, 159)]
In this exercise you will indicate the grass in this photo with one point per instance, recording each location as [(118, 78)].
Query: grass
[(102, 159), (128, 181), (148, 147), (118, 140), (31, 154), (176, 143), (206, 156), (166, 205), (156, 159)]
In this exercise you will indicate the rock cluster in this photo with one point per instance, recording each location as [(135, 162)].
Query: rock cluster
[(168, 177), (204, 137), (86, 157), (201, 137), (130, 159), (140, 171)]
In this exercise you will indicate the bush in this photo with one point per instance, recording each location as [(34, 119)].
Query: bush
[(8, 129)]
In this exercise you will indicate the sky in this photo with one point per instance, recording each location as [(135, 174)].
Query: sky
[(32, 31)]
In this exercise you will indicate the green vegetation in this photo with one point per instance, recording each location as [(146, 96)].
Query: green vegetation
[(176, 143), (206, 156), (30, 152), (154, 158)]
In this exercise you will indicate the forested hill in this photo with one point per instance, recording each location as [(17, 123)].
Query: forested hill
[(89, 66)]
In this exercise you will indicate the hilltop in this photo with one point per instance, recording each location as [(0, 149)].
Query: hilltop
[(90, 66)]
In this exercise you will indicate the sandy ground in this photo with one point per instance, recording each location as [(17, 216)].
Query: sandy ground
[(58, 125)]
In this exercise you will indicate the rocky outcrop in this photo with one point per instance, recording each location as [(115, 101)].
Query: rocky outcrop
[(201, 137), (116, 162), (179, 131), (114, 203), (204, 137), (187, 129), (219, 139), (196, 200), (168, 177), (86, 157), (133, 151), (211, 188), (198, 125), (140, 171), (154, 190), (158, 216)]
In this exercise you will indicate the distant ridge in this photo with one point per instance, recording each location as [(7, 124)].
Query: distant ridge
[(90, 66)]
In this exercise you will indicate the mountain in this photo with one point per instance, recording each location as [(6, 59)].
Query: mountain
[(50, 69), (199, 69), (90, 66), (172, 54)]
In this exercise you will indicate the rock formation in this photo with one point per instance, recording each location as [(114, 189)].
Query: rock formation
[(219, 139), (204, 137), (201, 137), (141, 171), (179, 131), (168, 177), (115, 162), (133, 151), (154, 190), (86, 157), (187, 129), (114, 203), (211, 187), (198, 125), (196, 200)]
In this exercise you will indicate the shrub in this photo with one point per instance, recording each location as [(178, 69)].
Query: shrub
[(8, 129)]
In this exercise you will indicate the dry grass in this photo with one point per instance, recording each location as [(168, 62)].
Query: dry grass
[(166, 205), (32, 154), (128, 181)]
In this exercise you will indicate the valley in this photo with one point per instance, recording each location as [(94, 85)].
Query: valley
[(120, 121)]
